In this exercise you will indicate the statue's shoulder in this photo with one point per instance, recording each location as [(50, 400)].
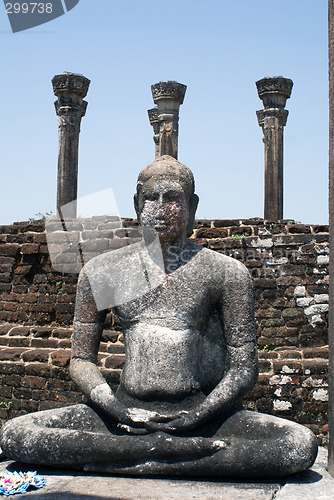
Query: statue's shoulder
[(224, 268), (106, 261), (223, 260)]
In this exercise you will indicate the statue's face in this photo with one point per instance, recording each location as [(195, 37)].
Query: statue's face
[(164, 208)]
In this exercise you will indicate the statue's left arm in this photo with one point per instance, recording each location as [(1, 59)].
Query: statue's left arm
[(236, 309)]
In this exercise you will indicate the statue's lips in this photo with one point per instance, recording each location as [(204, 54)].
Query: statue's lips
[(161, 225)]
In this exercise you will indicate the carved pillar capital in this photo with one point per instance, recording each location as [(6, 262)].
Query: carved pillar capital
[(168, 96), (274, 91), (169, 90), (70, 88)]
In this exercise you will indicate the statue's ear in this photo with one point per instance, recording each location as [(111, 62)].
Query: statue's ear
[(135, 202), (192, 210)]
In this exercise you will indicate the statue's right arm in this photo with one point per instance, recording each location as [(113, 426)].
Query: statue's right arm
[(87, 331)]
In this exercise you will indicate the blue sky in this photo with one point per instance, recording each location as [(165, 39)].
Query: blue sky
[(218, 48)]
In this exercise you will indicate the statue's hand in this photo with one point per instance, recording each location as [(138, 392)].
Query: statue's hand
[(134, 420), (141, 415), (183, 421), (133, 417)]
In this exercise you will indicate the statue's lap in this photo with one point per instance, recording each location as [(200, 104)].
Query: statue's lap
[(250, 444), (239, 423)]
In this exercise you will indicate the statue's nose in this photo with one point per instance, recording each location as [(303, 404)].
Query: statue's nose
[(160, 207)]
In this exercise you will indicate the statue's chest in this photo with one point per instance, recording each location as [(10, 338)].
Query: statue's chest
[(178, 296)]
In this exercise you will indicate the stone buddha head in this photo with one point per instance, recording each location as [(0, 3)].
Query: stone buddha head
[(165, 200)]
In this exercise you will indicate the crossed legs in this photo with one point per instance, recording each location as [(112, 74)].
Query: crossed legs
[(245, 445)]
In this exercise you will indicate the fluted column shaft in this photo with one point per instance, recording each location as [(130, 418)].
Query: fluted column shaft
[(70, 88), (272, 123)]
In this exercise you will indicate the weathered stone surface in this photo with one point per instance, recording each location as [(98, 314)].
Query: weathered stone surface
[(211, 233), (116, 361), (225, 223), (298, 228), (9, 250), (61, 358), (264, 283), (320, 228), (177, 410)]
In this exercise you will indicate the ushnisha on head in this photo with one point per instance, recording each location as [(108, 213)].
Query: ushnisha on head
[(165, 198)]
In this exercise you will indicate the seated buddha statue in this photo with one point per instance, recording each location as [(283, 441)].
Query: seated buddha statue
[(190, 347)]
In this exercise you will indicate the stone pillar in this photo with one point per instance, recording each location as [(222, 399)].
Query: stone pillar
[(154, 121), (331, 238), (70, 88), (273, 91), (168, 96)]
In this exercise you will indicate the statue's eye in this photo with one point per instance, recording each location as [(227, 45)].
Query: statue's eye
[(172, 196), (152, 197)]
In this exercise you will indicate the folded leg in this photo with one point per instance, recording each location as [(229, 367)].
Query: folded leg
[(75, 436), (252, 446)]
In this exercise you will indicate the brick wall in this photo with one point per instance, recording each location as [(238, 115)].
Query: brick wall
[(293, 384), (34, 367), (289, 266)]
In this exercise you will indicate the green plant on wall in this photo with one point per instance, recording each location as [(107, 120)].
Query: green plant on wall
[(42, 216), (265, 348), (6, 405), (239, 236)]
